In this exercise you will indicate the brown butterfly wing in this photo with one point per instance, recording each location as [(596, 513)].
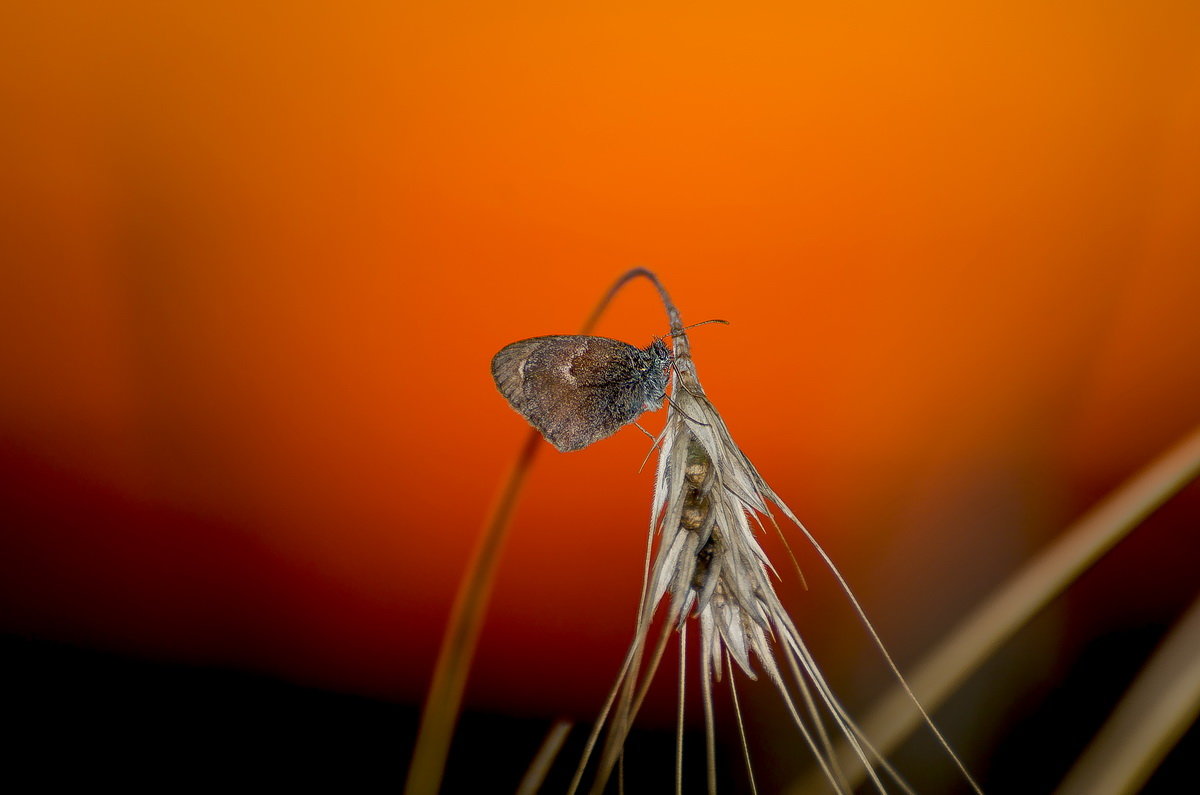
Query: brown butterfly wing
[(576, 390)]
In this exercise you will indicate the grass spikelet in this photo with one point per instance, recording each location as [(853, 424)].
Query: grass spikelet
[(709, 566)]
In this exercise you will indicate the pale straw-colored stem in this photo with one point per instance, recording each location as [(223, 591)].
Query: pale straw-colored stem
[(1013, 604)]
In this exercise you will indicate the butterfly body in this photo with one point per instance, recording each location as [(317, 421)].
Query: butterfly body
[(579, 389)]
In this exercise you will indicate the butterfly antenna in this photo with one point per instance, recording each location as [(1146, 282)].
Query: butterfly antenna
[(701, 323), (679, 332)]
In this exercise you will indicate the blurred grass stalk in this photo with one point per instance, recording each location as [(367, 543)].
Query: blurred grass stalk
[(544, 758), (440, 713), (442, 704), (1172, 681), (1152, 716)]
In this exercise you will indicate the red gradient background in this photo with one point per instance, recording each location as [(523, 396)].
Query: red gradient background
[(256, 261)]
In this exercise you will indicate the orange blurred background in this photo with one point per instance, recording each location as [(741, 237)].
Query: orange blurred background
[(256, 260)]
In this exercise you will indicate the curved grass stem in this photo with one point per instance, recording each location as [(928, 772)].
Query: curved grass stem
[(444, 700)]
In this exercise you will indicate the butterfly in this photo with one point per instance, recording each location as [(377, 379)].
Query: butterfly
[(577, 389)]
